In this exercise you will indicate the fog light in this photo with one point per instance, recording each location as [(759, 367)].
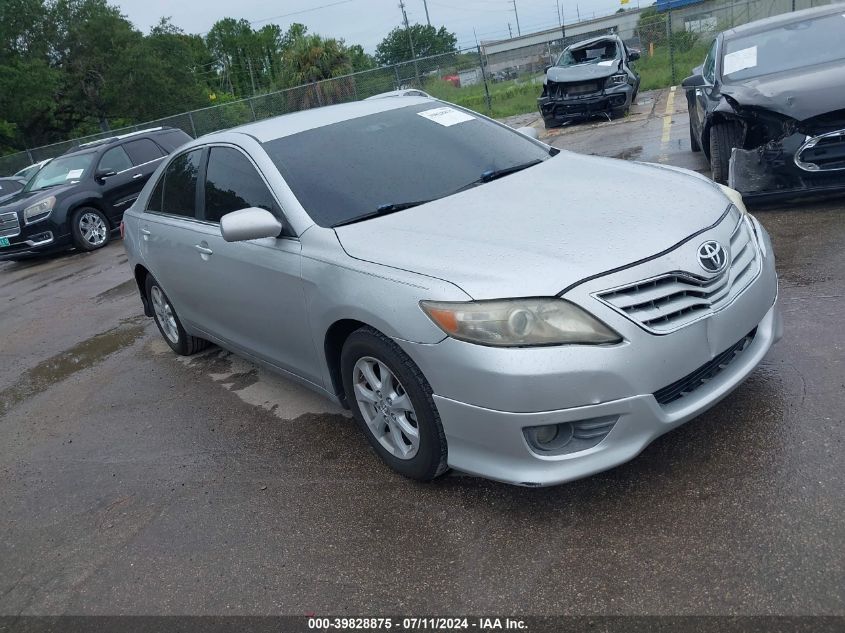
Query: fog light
[(41, 237), (549, 437)]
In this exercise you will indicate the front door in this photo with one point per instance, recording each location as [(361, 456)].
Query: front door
[(250, 293)]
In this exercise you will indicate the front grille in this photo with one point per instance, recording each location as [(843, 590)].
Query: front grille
[(703, 374), (669, 302), (573, 90), (9, 225), (823, 153)]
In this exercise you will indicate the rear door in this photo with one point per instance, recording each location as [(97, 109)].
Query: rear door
[(250, 293), (170, 228), (145, 156)]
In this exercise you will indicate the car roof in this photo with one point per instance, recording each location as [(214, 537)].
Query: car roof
[(766, 24), (111, 140), (295, 122), (593, 40)]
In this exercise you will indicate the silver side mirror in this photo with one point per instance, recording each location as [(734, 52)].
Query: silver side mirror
[(249, 224), (529, 131)]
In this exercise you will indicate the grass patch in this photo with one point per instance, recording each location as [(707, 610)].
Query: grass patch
[(656, 71), (507, 97)]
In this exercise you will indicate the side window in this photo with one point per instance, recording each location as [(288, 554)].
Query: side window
[(232, 183), (115, 159), (709, 70), (176, 191), (143, 151)]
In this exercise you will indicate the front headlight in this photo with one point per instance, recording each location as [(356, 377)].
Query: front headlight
[(39, 210), (735, 197), (617, 79), (519, 322)]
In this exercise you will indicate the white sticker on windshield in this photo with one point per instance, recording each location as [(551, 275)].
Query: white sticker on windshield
[(740, 60), (446, 116), (609, 62), (74, 173)]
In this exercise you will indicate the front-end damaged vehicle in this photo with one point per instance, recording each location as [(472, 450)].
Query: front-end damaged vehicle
[(485, 302), (591, 78), (767, 107)]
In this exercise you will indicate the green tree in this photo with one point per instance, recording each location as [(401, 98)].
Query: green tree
[(428, 41)]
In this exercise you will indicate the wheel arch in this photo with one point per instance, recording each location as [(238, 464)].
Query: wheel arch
[(335, 337), (141, 274)]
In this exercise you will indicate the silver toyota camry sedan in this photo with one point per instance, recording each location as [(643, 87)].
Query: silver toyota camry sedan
[(480, 300)]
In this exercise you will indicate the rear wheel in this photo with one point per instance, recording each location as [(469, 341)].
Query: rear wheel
[(392, 403), (168, 322), (724, 136), (90, 229)]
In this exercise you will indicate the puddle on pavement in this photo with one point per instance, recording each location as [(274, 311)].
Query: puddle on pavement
[(254, 385), (629, 153), (73, 360), (125, 289)]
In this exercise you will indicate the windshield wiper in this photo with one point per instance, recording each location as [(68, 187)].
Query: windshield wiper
[(495, 174), (385, 209)]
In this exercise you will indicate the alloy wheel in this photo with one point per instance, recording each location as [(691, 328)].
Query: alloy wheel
[(386, 407), (164, 315), (93, 229)]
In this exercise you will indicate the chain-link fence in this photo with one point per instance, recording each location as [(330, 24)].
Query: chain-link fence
[(675, 40), (671, 41)]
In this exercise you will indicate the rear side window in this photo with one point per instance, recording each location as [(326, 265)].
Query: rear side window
[(176, 191), (115, 160), (232, 183), (172, 139), (143, 151)]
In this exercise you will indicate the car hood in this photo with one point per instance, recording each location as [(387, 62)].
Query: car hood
[(541, 230), (23, 199), (585, 72), (800, 94)]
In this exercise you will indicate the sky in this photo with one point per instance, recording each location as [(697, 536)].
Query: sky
[(366, 22)]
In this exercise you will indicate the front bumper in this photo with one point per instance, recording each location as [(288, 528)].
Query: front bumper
[(492, 444), (29, 240), (561, 110), (487, 397), (771, 173)]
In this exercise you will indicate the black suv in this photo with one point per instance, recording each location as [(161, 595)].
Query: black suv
[(78, 198)]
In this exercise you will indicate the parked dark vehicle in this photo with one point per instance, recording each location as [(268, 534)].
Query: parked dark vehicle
[(590, 78), (767, 107), (79, 198), (9, 187)]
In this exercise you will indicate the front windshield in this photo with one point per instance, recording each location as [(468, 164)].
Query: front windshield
[(416, 153), (595, 53), (61, 170), (784, 48)]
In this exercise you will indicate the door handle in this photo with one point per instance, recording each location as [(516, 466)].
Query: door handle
[(146, 232), (203, 250), (136, 176)]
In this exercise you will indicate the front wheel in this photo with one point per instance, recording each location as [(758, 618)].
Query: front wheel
[(90, 229), (724, 136), (168, 322), (392, 403)]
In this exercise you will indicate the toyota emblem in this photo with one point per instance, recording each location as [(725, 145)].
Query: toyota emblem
[(712, 256)]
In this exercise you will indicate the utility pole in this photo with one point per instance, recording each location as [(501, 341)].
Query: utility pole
[(427, 19), (251, 77), (411, 42), (560, 21), (510, 31), (516, 13)]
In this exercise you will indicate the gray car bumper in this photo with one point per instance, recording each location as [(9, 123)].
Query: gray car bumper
[(491, 443)]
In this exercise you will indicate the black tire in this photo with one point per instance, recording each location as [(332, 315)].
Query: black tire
[(724, 136), (79, 239), (185, 345), (693, 141), (429, 461)]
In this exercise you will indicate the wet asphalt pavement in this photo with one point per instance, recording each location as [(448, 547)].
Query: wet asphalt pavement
[(136, 482)]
